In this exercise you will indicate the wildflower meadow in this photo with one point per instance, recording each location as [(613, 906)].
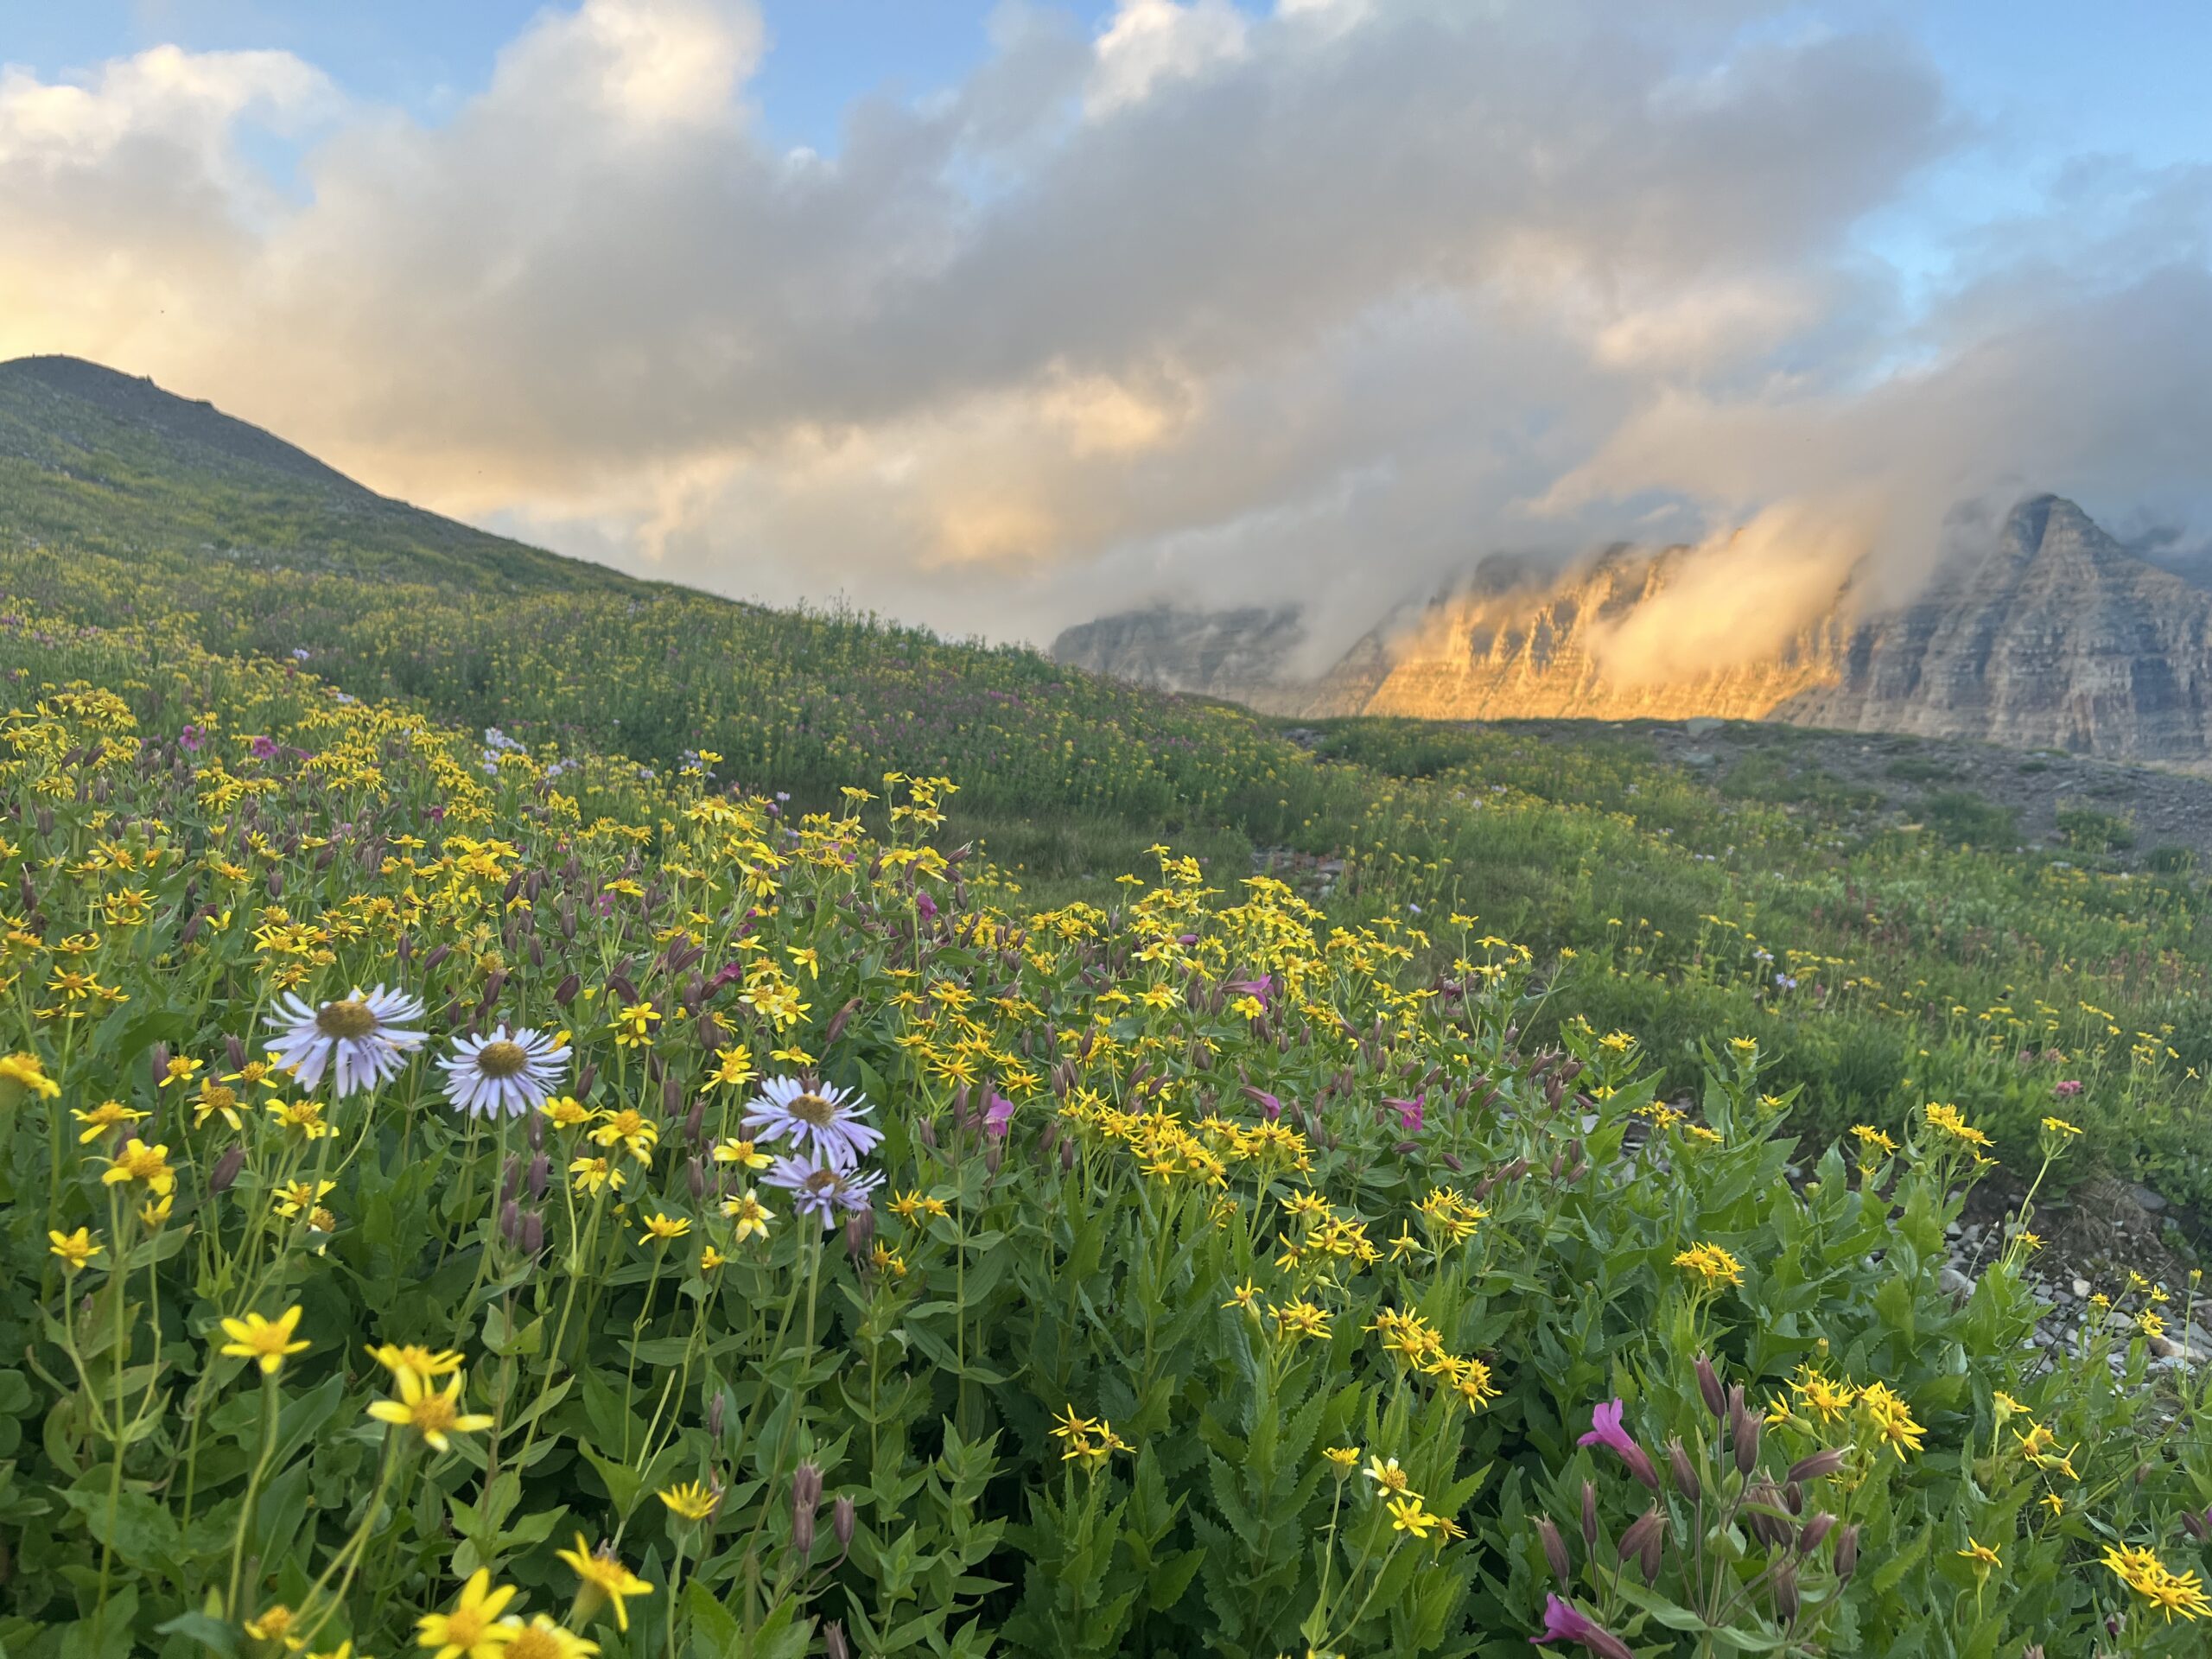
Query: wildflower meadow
[(498, 1200)]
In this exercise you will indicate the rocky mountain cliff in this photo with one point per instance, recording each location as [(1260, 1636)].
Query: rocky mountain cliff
[(2048, 634)]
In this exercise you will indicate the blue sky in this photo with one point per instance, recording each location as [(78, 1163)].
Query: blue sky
[(2126, 76)]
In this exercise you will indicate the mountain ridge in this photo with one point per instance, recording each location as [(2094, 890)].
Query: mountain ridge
[(95, 458), (2047, 634)]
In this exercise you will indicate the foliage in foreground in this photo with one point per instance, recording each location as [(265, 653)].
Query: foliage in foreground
[(1223, 1281)]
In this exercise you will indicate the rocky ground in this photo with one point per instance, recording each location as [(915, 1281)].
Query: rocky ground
[(2161, 808)]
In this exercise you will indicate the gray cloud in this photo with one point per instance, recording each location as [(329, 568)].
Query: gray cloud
[(1322, 304)]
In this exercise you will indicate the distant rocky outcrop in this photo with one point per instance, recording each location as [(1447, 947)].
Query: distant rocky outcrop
[(2047, 634)]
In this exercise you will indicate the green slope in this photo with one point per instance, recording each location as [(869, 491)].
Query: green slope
[(1885, 957), (95, 459)]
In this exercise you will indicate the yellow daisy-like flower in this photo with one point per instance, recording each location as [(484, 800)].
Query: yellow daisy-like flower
[(26, 1072), (1712, 1264), (435, 1414), (75, 1249), (275, 1625), (633, 1026), (1344, 1458), (566, 1111), (473, 1629), (1981, 1555), (1388, 1477), (600, 1579), (692, 1500), (107, 1115), (751, 1216), (591, 1174), (743, 1152), (268, 1341), (660, 1229), (1408, 1515), (424, 1363), (139, 1162), (732, 1068), (543, 1639)]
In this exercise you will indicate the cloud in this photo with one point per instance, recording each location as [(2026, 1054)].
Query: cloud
[(1223, 303)]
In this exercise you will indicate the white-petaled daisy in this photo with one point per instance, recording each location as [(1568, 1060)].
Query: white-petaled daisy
[(827, 1117), (359, 1038), (505, 1074)]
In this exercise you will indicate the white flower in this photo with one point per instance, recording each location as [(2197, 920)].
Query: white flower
[(360, 1037), (504, 1075)]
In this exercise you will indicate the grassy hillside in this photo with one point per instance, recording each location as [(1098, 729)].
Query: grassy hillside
[(93, 460), (1882, 964)]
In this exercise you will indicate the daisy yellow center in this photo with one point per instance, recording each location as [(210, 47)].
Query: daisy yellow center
[(143, 1164), (434, 1415), (217, 1098), (351, 1018), (535, 1644), (813, 1109), (463, 1626), (501, 1059)]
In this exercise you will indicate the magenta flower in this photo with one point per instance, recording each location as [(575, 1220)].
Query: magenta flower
[(1410, 1112), (1271, 1104), (1564, 1622), (996, 1116), (1605, 1430), (1261, 988), (262, 748), (2067, 1089), (926, 907)]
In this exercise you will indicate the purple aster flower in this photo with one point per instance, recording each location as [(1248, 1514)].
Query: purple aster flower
[(1564, 1622), (826, 1117), (359, 1036), (822, 1189), (504, 1075)]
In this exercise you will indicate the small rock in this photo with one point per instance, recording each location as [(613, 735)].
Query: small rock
[(2144, 1196), (2082, 1288), (1954, 1284), (1702, 725)]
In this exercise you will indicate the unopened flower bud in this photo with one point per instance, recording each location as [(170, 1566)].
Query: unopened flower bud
[(226, 1169), (534, 1131), (833, 1641), (1819, 1466), (565, 992), (843, 1517), (1708, 1386), (1685, 1473), (160, 1060), (1785, 1593), (718, 1413), (1846, 1553), (587, 1074), (1763, 1514), (1555, 1556), (1747, 1442), (540, 1174), (511, 1222), (806, 1500), (1810, 1534), (1590, 1514), (236, 1050), (1640, 1542), (511, 1178)]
